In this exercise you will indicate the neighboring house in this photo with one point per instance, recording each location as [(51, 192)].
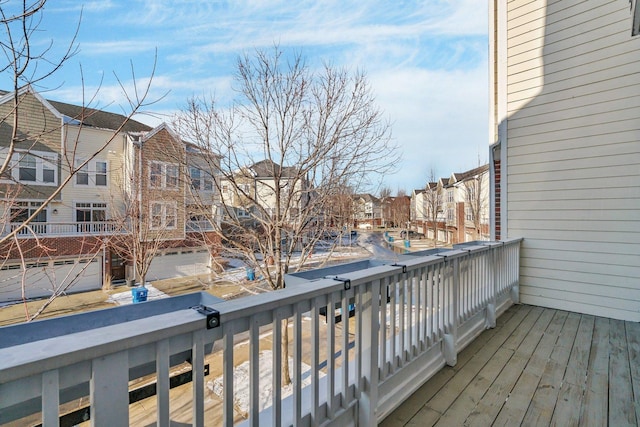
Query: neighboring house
[(418, 206), (565, 120), (367, 211), (461, 202), (251, 192), (68, 242)]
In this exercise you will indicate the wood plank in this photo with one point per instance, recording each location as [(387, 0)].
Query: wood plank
[(542, 405), (620, 412), (633, 340), (594, 409), (491, 404), (567, 411), (467, 401), (412, 406), (441, 401), (515, 408)]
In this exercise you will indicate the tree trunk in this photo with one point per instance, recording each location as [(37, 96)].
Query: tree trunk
[(286, 375)]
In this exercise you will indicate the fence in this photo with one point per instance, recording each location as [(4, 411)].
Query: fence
[(408, 320)]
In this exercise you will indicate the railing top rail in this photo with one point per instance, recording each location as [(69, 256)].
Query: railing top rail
[(39, 356)]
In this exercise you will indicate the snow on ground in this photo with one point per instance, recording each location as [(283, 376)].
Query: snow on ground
[(241, 374), (124, 298)]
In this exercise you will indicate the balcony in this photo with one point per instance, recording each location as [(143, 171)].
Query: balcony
[(410, 322), (98, 228), (61, 229)]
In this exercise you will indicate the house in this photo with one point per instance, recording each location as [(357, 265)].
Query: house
[(252, 192), (418, 206), (367, 211), (69, 245), (461, 206), (565, 159)]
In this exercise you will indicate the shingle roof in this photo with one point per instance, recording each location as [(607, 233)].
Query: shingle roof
[(98, 118), (94, 117), (471, 173)]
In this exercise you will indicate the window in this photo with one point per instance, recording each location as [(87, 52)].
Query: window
[(49, 169), (200, 180), (92, 174), (195, 178), (33, 167), (164, 215), (163, 175), (101, 173), (82, 176), (27, 168), (91, 212), (450, 196), (155, 175), (172, 176), (21, 211)]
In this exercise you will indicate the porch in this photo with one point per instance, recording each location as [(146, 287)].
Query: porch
[(537, 367), (418, 321)]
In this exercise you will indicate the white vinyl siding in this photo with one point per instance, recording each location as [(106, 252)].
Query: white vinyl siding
[(573, 158)]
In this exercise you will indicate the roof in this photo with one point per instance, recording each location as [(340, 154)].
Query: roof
[(457, 177), (366, 197), (98, 118), (268, 169), (92, 117)]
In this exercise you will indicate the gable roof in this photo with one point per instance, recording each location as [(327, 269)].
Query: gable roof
[(87, 116)]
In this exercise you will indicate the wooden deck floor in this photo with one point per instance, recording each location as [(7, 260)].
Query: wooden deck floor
[(537, 367)]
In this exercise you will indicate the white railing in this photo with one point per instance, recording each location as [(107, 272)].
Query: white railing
[(57, 229), (409, 320)]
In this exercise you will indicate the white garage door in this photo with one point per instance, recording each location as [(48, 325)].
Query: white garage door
[(176, 263), (77, 275)]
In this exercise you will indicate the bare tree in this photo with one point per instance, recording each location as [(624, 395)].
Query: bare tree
[(30, 62), (433, 203), (289, 145)]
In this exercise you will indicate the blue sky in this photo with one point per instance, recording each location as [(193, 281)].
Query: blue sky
[(426, 61)]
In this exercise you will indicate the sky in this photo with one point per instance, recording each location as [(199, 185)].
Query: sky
[(427, 61)]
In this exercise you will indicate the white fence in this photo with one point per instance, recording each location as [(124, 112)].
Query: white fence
[(408, 321)]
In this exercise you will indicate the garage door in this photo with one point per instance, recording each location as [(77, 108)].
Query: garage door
[(43, 277), (179, 263)]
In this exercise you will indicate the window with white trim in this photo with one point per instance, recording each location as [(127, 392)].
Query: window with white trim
[(200, 179), (163, 175), (163, 215), (33, 167), (93, 174)]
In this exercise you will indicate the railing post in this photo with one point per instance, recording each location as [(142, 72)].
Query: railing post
[(50, 398), (369, 355), (514, 269), (110, 390), (451, 337), (490, 319)]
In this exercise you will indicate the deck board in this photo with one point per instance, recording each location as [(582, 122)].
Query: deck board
[(537, 367)]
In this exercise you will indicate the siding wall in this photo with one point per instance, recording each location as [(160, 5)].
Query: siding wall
[(573, 157)]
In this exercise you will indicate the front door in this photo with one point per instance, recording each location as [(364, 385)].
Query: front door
[(117, 267)]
